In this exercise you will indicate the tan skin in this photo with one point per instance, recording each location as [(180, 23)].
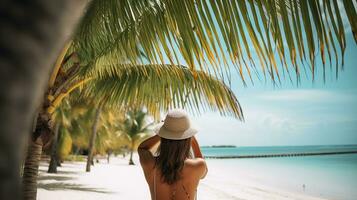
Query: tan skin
[(193, 170)]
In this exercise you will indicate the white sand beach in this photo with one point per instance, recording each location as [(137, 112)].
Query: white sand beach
[(118, 180)]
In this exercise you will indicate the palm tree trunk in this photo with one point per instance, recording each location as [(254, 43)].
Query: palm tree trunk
[(40, 136), (92, 138), (131, 162), (52, 168), (27, 55), (109, 152), (29, 178)]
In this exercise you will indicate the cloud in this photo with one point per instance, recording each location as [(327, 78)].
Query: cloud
[(285, 117), (262, 127), (309, 95)]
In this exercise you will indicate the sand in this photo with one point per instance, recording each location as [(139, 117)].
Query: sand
[(118, 180)]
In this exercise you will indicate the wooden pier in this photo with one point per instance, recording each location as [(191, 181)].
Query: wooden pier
[(281, 155)]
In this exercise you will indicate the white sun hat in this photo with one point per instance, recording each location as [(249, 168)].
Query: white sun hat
[(176, 126)]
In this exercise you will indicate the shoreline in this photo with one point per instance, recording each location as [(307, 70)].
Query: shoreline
[(118, 180), (281, 155)]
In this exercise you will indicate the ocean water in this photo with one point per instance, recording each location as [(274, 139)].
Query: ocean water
[(327, 176)]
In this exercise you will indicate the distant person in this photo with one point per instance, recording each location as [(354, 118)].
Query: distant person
[(173, 174)]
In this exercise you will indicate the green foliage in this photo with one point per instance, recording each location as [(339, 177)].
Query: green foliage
[(216, 33), (109, 137), (64, 144), (161, 87), (81, 127), (136, 126), (78, 115)]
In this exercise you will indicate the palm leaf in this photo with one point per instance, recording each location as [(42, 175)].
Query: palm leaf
[(161, 87), (211, 35)]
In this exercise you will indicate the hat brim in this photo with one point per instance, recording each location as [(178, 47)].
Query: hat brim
[(161, 131)]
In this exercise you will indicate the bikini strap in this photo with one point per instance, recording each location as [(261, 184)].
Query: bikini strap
[(174, 193), (184, 189)]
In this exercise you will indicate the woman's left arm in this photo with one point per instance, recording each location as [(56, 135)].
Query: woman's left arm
[(149, 143), (144, 148)]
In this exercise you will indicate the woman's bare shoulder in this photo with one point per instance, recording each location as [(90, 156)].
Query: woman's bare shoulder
[(197, 165), (195, 162)]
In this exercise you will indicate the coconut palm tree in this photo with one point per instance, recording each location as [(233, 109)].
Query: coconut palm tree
[(60, 120), (29, 45), (135, 127), (110, 139), (104, 133), (69, 118), (199, 31), (93, 136), (76, 117)]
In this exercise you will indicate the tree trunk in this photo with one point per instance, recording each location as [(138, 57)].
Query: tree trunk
[(52, 168), (109, 152), (31, 170), (92, 138), (131, 162), (32, 33), (40, 136)]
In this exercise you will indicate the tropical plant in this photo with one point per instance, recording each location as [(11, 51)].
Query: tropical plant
[(98, 111), (135, 127), (110, 139), (105, 136), (73, 119), (210, 34), (26, 63), (59, 138)]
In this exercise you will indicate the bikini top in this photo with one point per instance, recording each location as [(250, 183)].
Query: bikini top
[(174, 192)]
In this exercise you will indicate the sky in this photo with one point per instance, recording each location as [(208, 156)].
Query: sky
[(313, 113)]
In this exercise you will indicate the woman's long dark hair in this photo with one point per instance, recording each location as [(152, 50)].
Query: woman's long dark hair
[(171, 158)]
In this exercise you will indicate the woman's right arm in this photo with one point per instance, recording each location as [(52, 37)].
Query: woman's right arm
[(196, 148), (200, 162)]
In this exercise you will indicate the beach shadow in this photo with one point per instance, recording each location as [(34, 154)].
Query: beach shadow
[(123, 164), (69, 186), (55, 177), (66, 164), (59, 172)]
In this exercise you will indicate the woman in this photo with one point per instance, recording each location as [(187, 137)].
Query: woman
[(174, 174)]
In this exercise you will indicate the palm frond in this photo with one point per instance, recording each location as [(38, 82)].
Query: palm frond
[(209, 34), (161, 87)]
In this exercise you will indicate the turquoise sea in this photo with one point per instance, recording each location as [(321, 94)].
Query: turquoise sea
[(327, 176)]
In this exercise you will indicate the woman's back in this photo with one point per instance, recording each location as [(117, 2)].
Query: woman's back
[(183, 189)]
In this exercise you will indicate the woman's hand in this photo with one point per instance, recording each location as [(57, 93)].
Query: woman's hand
[(150, 142), (196, 148)]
